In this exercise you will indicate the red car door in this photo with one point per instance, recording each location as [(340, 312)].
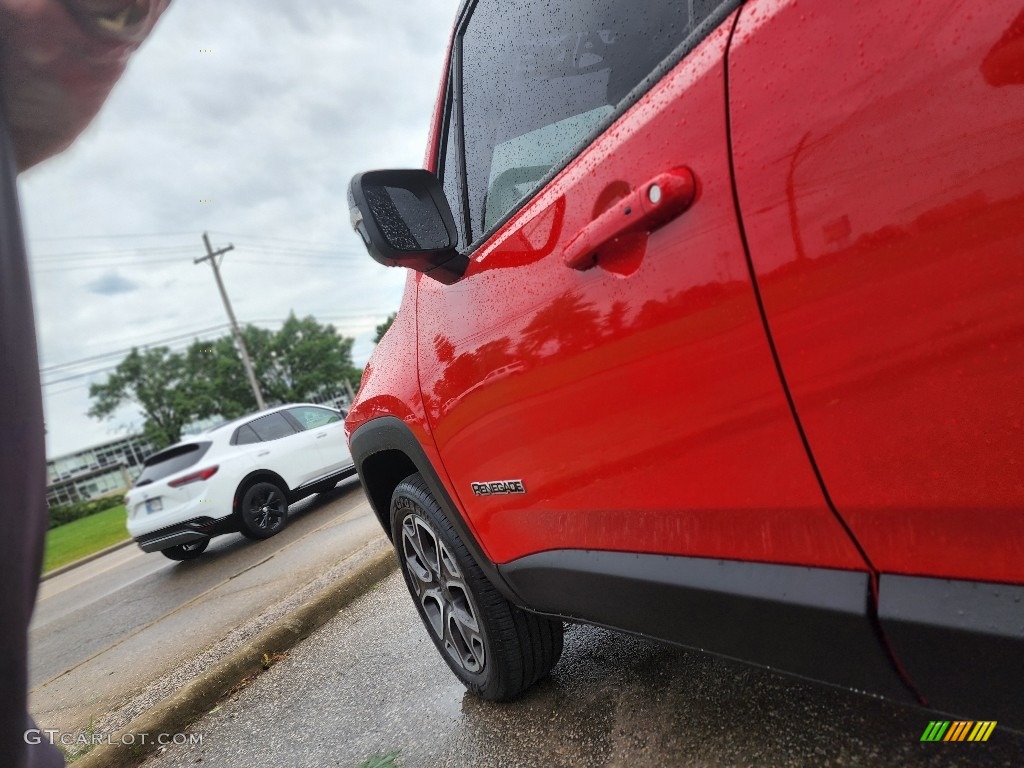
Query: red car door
[(879, 160), (883, 200), (634, 398)]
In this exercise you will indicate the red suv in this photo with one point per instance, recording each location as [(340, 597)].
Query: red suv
[(713, 332)]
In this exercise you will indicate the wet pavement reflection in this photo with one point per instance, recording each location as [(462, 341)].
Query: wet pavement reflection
[(370, 682)]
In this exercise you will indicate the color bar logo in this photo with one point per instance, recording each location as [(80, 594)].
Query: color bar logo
[(958, 730)]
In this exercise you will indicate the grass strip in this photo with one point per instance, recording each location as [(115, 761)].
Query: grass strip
[(79, 538)]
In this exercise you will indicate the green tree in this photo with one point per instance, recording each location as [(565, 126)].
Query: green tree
[(299, 362), (302, 360), (160, 383), (383, 327), (219, 383)]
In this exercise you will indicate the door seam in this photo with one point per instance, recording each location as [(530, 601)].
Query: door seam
[(873, 597)]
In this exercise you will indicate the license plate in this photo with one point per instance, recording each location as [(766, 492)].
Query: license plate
[(154, 505)]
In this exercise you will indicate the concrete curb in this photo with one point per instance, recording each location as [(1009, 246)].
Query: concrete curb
[(370, 566), (87, 559)]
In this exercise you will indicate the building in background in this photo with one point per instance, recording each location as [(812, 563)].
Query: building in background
[(98, 471)]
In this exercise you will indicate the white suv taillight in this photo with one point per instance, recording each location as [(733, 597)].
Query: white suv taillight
[(194, 477)]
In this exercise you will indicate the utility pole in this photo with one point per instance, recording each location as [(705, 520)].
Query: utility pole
[(348, 389), (211, 256)]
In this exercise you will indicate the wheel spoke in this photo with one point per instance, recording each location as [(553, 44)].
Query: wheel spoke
[(472, 645), (275, 511), (449, 569), (428, 546), (465, 621), (436, 581), (434, 606), (450, 640), (415, 559)]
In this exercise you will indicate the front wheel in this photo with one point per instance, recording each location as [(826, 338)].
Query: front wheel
[(189, 551), (496, 649), (263, 511)]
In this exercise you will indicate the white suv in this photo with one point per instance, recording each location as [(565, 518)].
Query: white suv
[(240, 476)]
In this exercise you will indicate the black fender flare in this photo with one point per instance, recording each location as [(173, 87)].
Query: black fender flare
[(389, 434)]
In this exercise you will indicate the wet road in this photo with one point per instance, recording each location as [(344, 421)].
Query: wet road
[(370, 681), (103, 631)]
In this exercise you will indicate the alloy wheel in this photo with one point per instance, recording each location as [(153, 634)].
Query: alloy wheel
[(267, 509), (442, 592)]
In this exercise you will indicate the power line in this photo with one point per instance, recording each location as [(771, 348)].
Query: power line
[(146, 339), (72, 388), (163, 250), (107, 265), (109, 252), (115, 353), (291, 257), (327, 244), (195, 334), (77, 376), (176, 343), (180, 346), (311, 264), (112, 237), (113, 261), (236, 236)]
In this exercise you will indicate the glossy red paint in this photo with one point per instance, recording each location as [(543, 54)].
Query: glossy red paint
[(879, 162), (389, 386), (637, 400)]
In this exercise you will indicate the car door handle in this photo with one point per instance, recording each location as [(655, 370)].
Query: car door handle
[(263, 453), (322, 434), (649, 206)]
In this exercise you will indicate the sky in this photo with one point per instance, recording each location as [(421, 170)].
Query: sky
[(245, 120)]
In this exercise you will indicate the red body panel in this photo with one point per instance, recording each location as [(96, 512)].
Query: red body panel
[(880, 170), (390, 386), (638, 400)]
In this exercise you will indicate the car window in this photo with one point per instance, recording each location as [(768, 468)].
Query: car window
[(272, 427), (538, 78), (311, 418), (172, 460), (245, 436)]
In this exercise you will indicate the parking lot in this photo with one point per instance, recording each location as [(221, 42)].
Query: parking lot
[(132, 625), (370, 682)]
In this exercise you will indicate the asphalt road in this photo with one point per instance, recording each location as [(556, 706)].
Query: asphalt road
[(370, 682), (104, 631)]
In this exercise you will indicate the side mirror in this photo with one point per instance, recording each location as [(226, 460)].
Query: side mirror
[(405, 221)]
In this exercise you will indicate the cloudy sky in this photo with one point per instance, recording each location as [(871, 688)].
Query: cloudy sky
[(268, 126)]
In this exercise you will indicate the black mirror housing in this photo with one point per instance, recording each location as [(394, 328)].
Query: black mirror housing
[(404, 220)]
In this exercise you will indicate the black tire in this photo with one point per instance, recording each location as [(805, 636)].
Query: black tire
[(189, 551), (263, 511), (496, 649)]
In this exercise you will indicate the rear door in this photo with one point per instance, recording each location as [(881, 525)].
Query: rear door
[(630, 396), (881, 181), (879, 153), (328, 432), (286, 450)]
